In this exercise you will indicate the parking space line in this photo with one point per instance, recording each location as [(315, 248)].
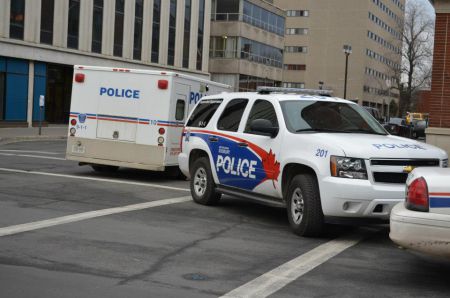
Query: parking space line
[(94, 179), (33, 156), (274, 280), (16, 229), (31, 151)]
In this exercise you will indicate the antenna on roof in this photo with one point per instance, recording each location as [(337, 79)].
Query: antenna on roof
[(268, 90)]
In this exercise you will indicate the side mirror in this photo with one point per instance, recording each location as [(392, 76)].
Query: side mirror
[(263, 127)]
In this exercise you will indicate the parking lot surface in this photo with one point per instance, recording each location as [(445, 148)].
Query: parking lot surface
[(67, 231)]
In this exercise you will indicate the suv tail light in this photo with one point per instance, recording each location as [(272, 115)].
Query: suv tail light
[(417, 195)]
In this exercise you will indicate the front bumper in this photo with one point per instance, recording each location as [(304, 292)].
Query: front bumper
[(359, 198), (422, 231)]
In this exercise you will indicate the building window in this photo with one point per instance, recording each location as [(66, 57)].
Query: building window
[(138, 16), (250, 83), (172, 32), (264, 19), (73, 24), (118, 28), (293, 85), (47, 13), (227, 10), (17, 19), (223, 47), (295, 49), (97, 27), (155, 30), (201, 23), (261, 53), (2, 94), (187, 33), (294, 67), (297, 13), (296, 31)]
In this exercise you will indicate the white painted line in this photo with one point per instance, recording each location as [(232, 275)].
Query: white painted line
[(274, 280), (94, 179), (87, 215), (32, 156), (31, 151)]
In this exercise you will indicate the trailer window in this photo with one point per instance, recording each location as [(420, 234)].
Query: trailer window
[(179, 110), (203, 112)]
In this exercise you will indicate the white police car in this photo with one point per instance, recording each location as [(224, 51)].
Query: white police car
[(320, 157), (422, 222)]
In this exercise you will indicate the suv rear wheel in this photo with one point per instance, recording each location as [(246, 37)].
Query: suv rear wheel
[(203, 188), (303, 205)]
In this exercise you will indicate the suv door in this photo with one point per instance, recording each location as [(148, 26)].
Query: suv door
[(266, 148)]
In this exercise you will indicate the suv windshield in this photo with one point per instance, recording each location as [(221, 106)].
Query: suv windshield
[(324, 116)]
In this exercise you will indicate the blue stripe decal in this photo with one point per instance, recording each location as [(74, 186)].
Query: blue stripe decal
[(439, 202)]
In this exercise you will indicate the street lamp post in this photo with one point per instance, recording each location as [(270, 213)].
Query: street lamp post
[(347, 51)]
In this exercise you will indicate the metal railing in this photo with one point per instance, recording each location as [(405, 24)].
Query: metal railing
[(246, 56), (233, 17)]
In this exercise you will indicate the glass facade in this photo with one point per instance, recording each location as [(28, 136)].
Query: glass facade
[(187, 32), (17, 19), (118, 28), (138, 19), (227, 10), (47, 15), (262, 18), (155, 30), (97, 27), (73, 24), (250, 83), (172, 32), (201, 23), (2, 94)]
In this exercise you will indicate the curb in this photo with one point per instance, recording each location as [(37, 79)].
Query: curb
[(4, 141)]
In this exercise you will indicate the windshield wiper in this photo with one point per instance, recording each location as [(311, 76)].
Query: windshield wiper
[(360, 130), (321, 130)]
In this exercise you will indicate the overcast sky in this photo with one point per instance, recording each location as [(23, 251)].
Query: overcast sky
[(426, 5)]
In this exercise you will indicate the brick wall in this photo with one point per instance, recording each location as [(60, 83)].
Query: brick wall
[(440, 84)]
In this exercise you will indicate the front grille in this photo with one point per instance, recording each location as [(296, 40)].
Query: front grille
[(390, 177), (405, 162)]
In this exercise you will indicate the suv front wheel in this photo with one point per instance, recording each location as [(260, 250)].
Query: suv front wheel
[(203, 188), (303, 206)]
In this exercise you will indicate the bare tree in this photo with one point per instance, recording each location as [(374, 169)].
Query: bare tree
[(417, 36)]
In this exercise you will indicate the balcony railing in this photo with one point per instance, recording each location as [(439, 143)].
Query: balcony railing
[(245, 56)]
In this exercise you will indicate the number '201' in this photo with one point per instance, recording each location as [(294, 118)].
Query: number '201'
[(321, 153)]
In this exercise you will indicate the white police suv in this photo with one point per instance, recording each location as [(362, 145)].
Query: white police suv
[(320, 157)]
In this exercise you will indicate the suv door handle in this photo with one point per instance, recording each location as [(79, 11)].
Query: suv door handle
[(213, 139), (243, 144)]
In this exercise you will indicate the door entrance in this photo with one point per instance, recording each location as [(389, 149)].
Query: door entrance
[(59, 90)]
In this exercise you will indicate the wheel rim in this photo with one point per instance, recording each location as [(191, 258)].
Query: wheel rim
[(297, 206), (200, 182)]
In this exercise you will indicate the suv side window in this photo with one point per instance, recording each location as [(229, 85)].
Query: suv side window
[(232, 115), (203, 112), (262, 109)]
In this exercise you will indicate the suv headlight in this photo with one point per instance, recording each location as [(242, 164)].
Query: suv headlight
[(348, 167), (445, 163)]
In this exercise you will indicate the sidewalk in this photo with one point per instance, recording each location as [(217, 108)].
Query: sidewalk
[(52, 132)]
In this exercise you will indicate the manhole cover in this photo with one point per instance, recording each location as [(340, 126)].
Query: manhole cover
[(195, 276)]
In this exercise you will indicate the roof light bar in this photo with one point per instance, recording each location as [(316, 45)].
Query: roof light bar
[(267, 90)]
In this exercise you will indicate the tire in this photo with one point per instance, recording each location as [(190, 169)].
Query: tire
[(203, 188), (104, 168), (304, 208)]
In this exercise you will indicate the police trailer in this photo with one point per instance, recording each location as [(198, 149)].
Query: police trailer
[(131, 118)]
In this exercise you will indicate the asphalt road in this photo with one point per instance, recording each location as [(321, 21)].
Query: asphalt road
[(176, 248)]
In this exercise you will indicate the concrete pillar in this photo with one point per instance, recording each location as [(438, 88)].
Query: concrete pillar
[(32, 24), (85, 27), (128, 29), (164, 32), (194, 35), (206, 33), (4, 17), (147, 24), (60, 23), (179, 34), (108, 27), (30, 93)]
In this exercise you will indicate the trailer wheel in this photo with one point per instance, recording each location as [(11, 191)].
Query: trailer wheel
[(203, 188), (303, 206), (104, 168)]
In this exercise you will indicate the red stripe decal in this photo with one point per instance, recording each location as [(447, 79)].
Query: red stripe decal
[(440, 194)]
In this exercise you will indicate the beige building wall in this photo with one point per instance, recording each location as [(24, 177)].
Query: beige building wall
[(332, 24)]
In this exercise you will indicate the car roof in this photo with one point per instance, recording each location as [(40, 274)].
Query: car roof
[(277, 97)]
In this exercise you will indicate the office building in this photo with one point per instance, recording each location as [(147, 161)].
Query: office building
[(41, 40), (316, 33)]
